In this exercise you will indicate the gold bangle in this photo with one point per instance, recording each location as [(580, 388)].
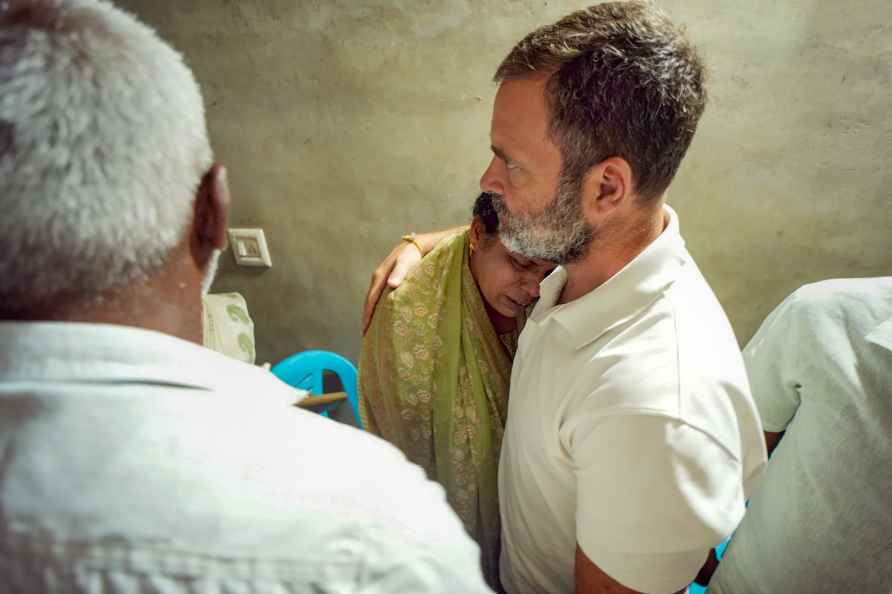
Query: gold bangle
[(411, 238)]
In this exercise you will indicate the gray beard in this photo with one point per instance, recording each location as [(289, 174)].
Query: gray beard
[(558, 234)]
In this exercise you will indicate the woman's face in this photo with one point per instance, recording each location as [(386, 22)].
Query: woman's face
[(508, 281)]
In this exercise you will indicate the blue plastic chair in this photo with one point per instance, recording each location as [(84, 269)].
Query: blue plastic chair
[(304, 370)]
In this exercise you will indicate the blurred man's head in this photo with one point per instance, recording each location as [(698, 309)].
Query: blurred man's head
[(107, 188), (604, 102)]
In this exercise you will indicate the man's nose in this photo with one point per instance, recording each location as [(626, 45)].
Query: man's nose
[(531, 286), (491, 180)]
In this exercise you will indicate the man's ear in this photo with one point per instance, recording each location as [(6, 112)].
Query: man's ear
[(607, 186), (211, 214)]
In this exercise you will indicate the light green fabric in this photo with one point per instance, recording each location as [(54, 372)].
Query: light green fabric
[(434, 379)]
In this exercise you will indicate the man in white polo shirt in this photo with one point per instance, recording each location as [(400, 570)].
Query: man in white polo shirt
[(631, 432), (632, 440), (821, 370)]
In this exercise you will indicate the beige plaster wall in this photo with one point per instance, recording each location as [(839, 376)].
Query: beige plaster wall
[(346, 123)]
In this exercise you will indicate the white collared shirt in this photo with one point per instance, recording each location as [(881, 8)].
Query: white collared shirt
[(821, 371), (133, 462), (631, 429)]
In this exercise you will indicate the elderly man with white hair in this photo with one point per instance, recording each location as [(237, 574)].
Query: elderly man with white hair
[(132, 459)]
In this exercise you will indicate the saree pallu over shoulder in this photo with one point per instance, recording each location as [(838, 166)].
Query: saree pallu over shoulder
[(434, 379)]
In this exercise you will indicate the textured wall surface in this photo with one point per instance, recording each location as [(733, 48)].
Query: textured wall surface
[(345, 123)]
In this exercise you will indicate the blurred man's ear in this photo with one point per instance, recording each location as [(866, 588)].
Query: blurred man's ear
[(211, 214)]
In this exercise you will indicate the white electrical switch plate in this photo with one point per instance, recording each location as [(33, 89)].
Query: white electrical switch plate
[(249, 247)]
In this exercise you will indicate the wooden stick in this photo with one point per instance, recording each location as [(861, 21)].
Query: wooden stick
[(320, 401)]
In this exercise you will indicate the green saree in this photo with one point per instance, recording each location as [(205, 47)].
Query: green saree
[(434, 379)]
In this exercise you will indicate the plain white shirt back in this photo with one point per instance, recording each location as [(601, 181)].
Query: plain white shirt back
[(821, 520), (133, 462)]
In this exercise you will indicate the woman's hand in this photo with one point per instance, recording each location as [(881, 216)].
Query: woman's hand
[(391, 272), (400, 262)]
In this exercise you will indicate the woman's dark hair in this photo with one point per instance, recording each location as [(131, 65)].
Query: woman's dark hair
[(484, 209)]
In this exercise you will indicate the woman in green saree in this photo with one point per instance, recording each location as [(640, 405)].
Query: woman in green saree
[(436, 363)]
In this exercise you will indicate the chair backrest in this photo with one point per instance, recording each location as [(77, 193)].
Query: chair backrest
[(305, 371)]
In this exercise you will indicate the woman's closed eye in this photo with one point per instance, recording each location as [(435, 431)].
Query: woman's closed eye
[(519, 263)]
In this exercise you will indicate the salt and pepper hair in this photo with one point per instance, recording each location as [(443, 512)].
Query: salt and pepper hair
[(103, 144), (624, 81)]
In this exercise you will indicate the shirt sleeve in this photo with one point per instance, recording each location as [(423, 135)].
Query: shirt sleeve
[(380, 525), (447, 565), (415, 543), (772, 361), (654, 495)]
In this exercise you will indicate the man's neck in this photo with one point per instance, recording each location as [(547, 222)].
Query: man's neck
[(162, 316), (607, 257), (145, 306)]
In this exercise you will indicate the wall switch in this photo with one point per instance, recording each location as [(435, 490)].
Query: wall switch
[(249, 247)]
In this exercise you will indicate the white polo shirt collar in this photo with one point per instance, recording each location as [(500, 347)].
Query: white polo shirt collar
[(623, 296)]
